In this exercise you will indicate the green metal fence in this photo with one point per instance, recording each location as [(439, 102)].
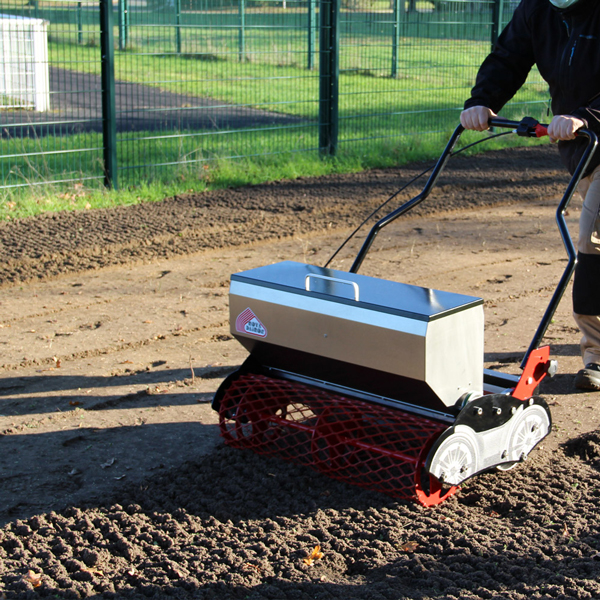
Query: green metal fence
[(132, 90)]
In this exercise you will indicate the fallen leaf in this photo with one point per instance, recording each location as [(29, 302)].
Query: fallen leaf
[(409, 546), (316, 554), (35, 579), (108, 463), (74, 403), (565, 531), (95, 572), (493, 513)]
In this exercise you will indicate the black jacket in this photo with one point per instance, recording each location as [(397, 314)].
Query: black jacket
[(565, 46)]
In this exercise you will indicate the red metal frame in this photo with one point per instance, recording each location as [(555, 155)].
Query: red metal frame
[(368, 445)]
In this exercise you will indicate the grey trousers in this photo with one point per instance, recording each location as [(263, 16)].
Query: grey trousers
[(589, 244)]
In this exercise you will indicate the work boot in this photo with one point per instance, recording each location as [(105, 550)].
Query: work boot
[(588, 378)]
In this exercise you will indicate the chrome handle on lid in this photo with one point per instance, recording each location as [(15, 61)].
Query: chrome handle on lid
[(332, 279)]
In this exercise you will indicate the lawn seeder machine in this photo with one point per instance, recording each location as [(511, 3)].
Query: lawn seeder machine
[(378, 383)]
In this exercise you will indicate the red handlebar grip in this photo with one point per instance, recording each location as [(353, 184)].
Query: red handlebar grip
[(541, 130)]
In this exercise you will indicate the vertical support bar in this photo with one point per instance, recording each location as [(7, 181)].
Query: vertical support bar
[(123, 24), (79, 23), (242, 31), (178, 26), (109, 121), (497, 23), (312, 33), (329, 77), (398, 9)]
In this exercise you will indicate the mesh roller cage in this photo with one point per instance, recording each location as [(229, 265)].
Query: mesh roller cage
[(364, 444)]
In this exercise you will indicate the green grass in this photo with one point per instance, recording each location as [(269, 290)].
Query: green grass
[(384, 120), (226, 173)]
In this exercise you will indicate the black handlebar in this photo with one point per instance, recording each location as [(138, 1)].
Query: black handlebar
[(527, 127)]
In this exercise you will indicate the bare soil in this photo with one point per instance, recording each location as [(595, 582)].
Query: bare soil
[(114, 335)]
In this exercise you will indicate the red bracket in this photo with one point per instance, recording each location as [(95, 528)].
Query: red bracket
[(535, 370)]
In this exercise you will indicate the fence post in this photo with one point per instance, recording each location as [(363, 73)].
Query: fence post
[(497, 25), (123, 24), (398, 10), (109, 121), (242, 31), (79, 23), (178, 26), (312, 31), (329, 77)]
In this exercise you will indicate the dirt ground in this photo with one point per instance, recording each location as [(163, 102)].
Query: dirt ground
[(114, 335)]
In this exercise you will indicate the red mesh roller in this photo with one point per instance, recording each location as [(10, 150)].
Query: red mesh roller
[(372, 446)]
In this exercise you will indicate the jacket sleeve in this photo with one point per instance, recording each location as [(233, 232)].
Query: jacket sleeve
[(590, 114), (505, 69)]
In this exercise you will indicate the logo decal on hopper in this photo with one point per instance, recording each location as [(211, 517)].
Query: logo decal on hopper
[(249, 323)]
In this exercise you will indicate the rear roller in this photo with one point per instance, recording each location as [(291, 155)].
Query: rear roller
[(364, 444)]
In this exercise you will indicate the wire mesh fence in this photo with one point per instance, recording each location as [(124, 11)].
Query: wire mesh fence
[(134, 90)]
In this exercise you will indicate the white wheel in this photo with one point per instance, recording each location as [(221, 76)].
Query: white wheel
[(456, 457), (531, 426)]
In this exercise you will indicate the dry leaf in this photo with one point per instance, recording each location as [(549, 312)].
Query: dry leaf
[(74, 403), (565, 530), (316, 554), (493, 513), (35, 579), (409, 546), (108, 463), (95, 572)]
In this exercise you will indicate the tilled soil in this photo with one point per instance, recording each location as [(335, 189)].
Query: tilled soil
[(113, 482), (59, 243)]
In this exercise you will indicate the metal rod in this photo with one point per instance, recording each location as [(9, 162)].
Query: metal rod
[(178, 26), (242, 32), (109, 121), (312, 33), (398, 10), (329, 77), (566, 238), (439, 167)]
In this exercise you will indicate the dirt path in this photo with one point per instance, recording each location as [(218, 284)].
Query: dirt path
[(107, 374)]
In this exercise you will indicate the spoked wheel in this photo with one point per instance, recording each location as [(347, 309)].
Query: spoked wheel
[(430, 491), (530, 427), (456, 456)]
